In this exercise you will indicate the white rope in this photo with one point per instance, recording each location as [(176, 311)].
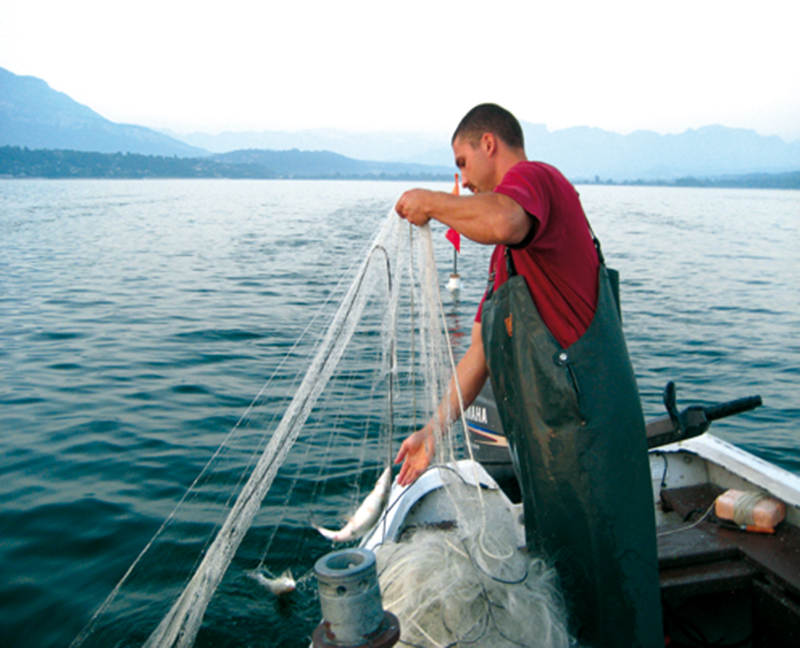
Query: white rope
[(688, 526), (744, 507)]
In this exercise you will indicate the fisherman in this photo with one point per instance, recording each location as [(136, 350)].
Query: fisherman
[(548, 333)]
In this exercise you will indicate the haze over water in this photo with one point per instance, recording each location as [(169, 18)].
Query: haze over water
[(139, 319)]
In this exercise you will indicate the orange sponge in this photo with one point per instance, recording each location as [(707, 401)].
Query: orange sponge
[(750, 509)]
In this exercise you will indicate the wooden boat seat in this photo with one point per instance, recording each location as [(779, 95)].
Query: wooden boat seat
[(711, 561), (713, 557)]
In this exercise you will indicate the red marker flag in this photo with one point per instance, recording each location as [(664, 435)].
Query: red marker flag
[(451, 235), (455, 238)]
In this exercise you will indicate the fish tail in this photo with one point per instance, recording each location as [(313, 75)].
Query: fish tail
[(328, 533), (259, 578), (337, 536)]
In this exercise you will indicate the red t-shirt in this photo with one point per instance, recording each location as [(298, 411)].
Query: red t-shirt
[(560, 262)]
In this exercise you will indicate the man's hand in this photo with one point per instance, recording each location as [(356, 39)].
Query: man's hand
[(413, 206), (417, 450), (488, 217)]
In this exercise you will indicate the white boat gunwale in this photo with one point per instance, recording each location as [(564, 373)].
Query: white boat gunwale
[(729, 466)]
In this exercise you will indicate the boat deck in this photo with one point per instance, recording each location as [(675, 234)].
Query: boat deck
[(711, 559)]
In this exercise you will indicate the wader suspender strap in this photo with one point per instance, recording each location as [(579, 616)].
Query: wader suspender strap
[(512, 271), (613, 275), (510, 267), (596, 240)]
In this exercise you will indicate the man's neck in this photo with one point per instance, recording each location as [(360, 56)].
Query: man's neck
[(507, 159)]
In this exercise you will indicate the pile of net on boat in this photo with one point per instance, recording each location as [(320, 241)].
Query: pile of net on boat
[(306, 451), (470, 584)]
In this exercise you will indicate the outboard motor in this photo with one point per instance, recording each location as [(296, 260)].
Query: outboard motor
[(490, 446), (489, 442)]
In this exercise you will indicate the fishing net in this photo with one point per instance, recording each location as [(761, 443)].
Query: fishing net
[(470, 584), (305, 452)]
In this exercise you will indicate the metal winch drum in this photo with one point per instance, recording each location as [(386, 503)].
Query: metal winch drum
[(350, 597)]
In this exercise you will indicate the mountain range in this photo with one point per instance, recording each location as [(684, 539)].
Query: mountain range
[(35, 116), (580, 152)]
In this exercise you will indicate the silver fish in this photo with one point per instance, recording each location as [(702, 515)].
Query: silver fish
[(367, 514), (279, 586)]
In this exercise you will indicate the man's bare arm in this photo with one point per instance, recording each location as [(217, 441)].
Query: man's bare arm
[(418, 449), (489, 217)]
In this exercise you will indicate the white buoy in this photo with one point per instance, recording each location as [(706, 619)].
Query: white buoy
[(455, 278), (455, 282)]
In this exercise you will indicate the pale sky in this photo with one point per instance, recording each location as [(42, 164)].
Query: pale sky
[(415, 65)]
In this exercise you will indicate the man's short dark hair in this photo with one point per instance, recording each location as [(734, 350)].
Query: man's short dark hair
[(490, 118)]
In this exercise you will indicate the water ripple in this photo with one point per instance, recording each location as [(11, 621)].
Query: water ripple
[(140, 319)]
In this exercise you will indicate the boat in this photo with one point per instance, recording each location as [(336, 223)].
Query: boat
[(722, 583)]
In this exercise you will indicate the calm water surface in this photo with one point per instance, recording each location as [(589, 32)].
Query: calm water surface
[(139, 319)]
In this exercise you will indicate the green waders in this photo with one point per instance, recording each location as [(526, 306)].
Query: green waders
[(576, 432)]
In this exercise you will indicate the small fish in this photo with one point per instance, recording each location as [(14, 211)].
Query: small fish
[(367, 514), (279, 586)]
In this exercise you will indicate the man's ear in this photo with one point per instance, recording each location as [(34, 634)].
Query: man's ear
[(489, 143)]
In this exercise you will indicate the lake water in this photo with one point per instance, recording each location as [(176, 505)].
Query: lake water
[(138, 320)]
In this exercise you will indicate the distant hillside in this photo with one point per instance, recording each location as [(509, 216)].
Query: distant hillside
[(586, 153), (589, 154), (748, 181), (385, 147), (16, 162), (790, 180), (325, 164), (582, 153), (32, 114)]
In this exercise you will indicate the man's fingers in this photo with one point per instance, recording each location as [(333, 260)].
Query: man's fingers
[(402, 478)]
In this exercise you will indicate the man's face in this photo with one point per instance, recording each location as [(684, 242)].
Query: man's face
[(475, 164)]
